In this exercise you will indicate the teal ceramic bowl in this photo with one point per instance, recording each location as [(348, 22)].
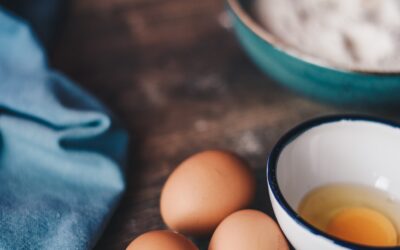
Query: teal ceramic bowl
[(310, 76)]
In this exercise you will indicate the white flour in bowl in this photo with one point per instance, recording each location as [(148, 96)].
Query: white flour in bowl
[(363, 34)]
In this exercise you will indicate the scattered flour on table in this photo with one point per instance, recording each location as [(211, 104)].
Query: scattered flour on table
[(248, 143), (349, 33)]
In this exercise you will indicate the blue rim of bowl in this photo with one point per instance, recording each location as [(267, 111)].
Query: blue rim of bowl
[(236, 7), (289, 137)]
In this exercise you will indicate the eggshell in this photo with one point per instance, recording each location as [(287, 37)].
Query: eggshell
[(248, 229), (204, 189), (161, 240)]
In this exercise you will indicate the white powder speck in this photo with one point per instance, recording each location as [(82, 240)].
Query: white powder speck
[(248, 143), (350, 33), (201, 125)]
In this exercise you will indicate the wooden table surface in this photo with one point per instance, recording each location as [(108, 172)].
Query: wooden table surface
[(176, 77)]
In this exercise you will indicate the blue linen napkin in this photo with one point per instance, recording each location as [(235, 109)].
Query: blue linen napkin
[(61, 151)]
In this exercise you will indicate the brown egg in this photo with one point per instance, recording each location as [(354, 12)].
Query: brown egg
[(161, 240), (204, 189), (248, 229)]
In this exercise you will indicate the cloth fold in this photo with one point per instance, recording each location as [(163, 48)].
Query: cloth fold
[(61, 151)]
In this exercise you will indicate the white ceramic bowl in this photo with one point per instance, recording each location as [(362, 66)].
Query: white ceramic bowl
[(351, 149)]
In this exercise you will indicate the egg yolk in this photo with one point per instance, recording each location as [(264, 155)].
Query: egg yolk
[(363, 226)]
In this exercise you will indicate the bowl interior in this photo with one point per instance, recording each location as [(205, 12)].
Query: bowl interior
[(350, 151)]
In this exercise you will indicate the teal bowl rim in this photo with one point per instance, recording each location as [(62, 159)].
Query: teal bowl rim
[(236, 7)]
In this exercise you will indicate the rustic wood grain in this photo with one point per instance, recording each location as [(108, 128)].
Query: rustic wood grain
[(180, 83)]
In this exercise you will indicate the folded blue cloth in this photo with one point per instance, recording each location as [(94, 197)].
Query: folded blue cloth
[(61, 151)]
